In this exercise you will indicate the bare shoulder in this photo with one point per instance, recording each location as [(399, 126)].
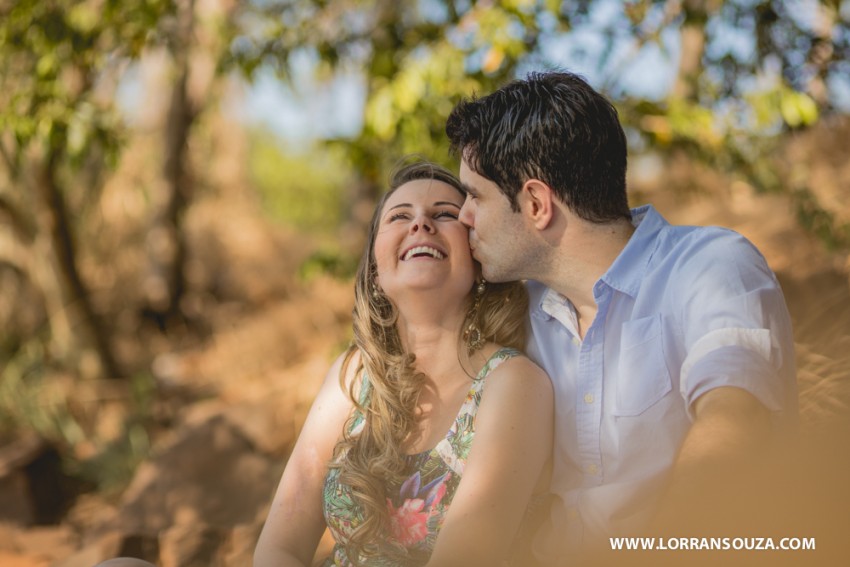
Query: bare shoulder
[(343, 370), (332, 403), (521, 371), (515, 379)]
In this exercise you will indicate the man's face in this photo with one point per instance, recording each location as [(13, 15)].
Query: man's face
[(496, 232)]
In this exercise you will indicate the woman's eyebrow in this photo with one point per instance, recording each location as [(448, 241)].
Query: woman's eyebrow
[(436, 204)]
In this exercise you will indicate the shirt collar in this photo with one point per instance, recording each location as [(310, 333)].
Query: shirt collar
[(627, 272)]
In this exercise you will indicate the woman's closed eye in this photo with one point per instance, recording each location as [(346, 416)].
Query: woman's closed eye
[(398, 216), (446, 214)]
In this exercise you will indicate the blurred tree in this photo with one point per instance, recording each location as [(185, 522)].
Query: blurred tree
[(749, 72), (165, 281), (59, 65), (192, 41)]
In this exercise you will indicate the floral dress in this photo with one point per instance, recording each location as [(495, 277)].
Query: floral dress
[(419, 505)]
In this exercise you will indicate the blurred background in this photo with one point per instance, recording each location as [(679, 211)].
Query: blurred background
[(184, 188)]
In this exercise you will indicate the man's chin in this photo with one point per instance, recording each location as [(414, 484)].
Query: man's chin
[(491, 276)]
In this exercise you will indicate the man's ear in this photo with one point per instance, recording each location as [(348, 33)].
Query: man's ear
[(536, 199)]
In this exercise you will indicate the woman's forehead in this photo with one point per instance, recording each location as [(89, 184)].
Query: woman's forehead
[(424, 192)]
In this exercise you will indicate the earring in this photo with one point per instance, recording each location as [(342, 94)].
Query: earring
[(472, 335), (376, 291)]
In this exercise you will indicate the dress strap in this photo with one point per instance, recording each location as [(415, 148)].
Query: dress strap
[(496, 359)]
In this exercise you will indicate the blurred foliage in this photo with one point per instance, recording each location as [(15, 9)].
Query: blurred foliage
[(302, 190), (330, 260), (59, 60), (748, 70), (416, 58), (35, 396), (60, 63), (820, 221), (112, 466)]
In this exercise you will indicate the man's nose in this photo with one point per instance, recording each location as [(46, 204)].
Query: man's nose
[(467, 212)]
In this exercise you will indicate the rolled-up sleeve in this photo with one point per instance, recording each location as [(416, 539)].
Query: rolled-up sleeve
[(735, 323)]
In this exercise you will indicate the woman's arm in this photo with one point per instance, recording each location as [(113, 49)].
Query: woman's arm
[(513, 443), (295, 522)]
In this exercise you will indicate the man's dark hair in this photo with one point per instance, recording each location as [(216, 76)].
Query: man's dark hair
[(553, 127)]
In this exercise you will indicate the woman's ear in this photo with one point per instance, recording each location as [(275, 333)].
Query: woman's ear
[(536, 201)]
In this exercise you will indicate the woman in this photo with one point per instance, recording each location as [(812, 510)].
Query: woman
[(385, 458)]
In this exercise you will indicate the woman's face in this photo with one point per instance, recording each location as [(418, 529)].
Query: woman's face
[(420, 244)]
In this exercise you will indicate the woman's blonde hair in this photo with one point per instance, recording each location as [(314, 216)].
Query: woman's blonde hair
[(375, 456)]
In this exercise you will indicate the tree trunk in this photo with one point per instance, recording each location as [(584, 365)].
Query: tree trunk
[(166, 281), (57, 226), (696, 13)]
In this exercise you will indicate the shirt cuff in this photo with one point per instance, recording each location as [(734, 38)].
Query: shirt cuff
[(736, 357)]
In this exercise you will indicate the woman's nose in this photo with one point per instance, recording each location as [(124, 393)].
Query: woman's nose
[(422, 222)]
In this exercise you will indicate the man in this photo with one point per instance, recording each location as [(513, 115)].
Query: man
[(669, 347)]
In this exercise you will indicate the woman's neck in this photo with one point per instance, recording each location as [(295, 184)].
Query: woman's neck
[(434, 342)]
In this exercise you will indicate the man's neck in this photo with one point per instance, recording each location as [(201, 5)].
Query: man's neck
[(587, 253)]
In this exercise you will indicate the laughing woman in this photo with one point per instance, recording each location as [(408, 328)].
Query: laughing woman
[(432, 433)]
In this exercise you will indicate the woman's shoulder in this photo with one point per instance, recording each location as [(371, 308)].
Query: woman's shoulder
[(508, 364), (346, 368)]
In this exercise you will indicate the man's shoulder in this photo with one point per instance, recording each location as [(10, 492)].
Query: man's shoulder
[(697, 244)]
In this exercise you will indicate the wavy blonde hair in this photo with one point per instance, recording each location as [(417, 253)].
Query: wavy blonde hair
[(375, 456)]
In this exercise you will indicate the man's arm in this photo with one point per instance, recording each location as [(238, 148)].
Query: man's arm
[(730, 427)]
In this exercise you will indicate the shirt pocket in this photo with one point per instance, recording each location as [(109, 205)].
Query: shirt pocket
[(642, 378)]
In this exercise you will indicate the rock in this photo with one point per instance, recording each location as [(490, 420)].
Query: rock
[(207, 474)]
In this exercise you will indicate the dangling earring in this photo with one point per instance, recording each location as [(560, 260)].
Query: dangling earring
[(472, 335)]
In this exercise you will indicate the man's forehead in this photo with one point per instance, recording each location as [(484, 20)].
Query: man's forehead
[(468, 177)]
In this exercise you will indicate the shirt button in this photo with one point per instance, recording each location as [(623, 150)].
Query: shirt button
[(588, 398), (576, 341), (591, 469)]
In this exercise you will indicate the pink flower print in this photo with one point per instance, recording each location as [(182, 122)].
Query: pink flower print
[(408, 524), (409, 521)]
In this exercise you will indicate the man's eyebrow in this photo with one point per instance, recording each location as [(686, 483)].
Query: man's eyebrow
[(468, 188)]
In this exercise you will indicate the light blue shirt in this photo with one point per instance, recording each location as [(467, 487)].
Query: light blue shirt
[(682, 310)]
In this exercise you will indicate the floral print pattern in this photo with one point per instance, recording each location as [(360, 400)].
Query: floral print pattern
[(417, 507)]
